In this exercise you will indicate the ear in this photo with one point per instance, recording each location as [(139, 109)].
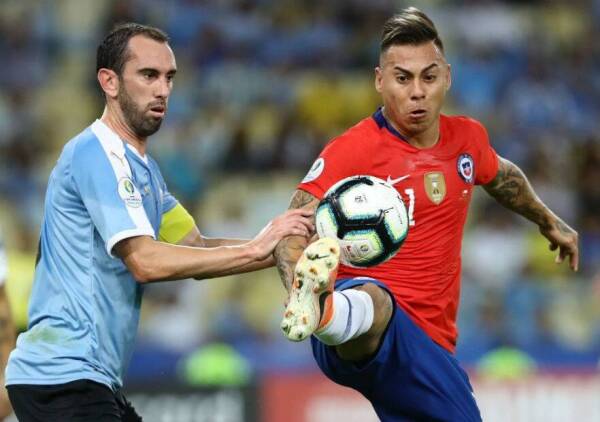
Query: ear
[(449, 77), (378, 79), (109, 82)]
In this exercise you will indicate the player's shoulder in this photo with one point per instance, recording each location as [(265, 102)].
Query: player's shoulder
[(464, 130), (356, 134), (462, 123), (93, 142)]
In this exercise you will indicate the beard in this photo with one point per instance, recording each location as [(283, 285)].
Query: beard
[(141, 124)]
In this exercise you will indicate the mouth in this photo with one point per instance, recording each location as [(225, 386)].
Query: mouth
[(158, 110), (418, 114)]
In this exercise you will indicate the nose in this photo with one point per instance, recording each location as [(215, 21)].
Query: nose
[(418, 90), (163, 90)]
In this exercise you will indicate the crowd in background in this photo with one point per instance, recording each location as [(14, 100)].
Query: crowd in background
[(261, 87)]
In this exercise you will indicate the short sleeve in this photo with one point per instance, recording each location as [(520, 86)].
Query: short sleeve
[(113, 201), (337, 161), (168, 201), (487, 164)]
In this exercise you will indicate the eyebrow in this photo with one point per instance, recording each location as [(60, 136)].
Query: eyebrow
[(154, 70), (430, 67)]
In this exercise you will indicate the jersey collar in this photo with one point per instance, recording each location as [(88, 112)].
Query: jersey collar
[(109, 139), (383, 123)]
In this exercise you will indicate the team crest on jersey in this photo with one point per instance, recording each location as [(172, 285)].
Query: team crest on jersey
[(435, 186), (129, 193), (465, 167), (315, 171)]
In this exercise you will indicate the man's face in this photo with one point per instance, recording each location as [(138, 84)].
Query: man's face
[(412, 81), (145, 84)]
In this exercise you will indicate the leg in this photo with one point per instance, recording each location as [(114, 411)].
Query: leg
[(365, 345), (354, 320), (407, 378)]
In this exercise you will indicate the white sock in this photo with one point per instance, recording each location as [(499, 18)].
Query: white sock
[(352, 316)]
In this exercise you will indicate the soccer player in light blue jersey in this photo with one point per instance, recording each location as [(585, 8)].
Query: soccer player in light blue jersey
[(110, 226)]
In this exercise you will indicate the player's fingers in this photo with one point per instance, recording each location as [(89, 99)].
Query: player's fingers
[(299, 232), (306, 222), (574, 259), (299, 229), (295, 220), (301, 211)]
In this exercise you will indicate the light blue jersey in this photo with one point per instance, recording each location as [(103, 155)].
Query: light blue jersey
[(85, 304)]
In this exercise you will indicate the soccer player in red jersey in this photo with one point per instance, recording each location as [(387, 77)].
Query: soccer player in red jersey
[(389, 331)]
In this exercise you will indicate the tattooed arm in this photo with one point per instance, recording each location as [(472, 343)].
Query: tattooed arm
[(511, 188), (289, 249)]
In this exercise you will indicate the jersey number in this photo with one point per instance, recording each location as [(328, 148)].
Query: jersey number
[(411, 205)]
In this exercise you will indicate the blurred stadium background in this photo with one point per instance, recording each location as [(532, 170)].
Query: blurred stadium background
[(262, 85)]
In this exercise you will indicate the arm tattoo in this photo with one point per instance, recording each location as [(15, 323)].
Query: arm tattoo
[(302, 199), (511, 188), (288, 250)]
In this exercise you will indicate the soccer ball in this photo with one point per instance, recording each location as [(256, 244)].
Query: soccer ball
[(367, 217)]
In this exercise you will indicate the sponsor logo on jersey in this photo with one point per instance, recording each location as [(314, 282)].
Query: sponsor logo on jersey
[(465, 167), (129, 194), (315, 171), (435, 186), (396, 180)]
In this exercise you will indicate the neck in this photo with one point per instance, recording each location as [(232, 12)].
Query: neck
[(116, 122), (425, 139)]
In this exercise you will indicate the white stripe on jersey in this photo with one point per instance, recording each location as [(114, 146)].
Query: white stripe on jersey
[(115, 152)]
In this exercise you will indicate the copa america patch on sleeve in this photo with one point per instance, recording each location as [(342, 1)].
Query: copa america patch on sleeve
[(129, 194), (315, 171)]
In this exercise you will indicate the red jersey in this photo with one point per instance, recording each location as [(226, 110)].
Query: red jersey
[(436, 185)]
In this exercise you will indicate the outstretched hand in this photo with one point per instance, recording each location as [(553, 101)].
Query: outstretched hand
[(296, 222), (565, 239)]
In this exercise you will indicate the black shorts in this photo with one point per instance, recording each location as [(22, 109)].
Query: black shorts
[(76, 401)]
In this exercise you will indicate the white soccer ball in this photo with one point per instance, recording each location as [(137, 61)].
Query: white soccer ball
[(367, 217)]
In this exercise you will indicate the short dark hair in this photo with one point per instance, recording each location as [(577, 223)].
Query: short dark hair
[(112, 51), (410, 26)]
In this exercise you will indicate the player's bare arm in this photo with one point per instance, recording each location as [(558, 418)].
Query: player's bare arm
[(511, 188), (149, 260), (289, 249), (195, 239), (7, 344)]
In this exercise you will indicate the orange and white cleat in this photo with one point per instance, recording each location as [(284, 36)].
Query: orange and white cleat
[(309, 306)]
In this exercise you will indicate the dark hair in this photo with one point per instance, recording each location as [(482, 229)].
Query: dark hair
[(112, 52), (410, 26)]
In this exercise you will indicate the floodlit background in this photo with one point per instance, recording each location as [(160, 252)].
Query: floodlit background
[(261, 87)]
